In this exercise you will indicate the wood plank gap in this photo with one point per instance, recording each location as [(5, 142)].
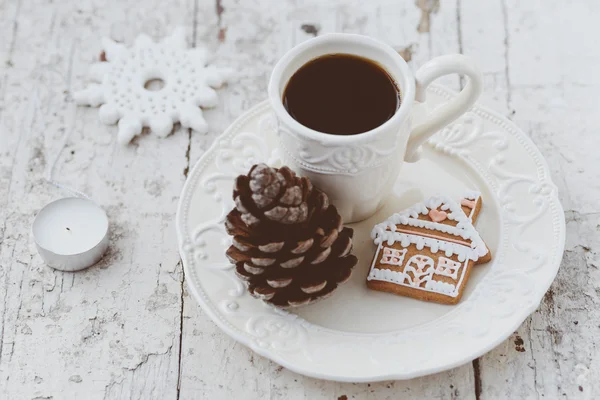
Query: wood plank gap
[(195, 23), (186, 170), (477, 378), (4, 300), (221, 31), (180, 358), (533, 360), (13, 39)]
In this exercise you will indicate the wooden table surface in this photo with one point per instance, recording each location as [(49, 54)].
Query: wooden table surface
[(128, 329)]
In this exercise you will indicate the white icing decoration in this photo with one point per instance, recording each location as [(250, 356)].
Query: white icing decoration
[(385, 231), (448, 267), (398, 278), (387, 275), (440, 287), (393, 256), (449, 248), (472, 195), (426, 274), (422, 268)]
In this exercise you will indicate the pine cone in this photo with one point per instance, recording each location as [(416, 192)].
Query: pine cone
[(289, 243)]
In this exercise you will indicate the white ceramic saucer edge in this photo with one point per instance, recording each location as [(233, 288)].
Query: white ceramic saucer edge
[(446, 144)]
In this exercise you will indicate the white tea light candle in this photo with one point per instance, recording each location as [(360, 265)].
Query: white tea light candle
[(71, 233)]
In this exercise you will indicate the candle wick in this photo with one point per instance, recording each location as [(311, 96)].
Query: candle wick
[(68, 228)]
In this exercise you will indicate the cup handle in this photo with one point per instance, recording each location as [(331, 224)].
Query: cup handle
[(445, 114)]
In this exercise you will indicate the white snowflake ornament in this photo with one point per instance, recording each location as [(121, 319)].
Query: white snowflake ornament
[(188, 85)]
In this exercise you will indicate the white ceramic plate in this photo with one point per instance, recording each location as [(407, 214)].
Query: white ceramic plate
[(363, 335)]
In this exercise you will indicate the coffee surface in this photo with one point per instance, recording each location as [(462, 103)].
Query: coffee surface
[(341, 94)]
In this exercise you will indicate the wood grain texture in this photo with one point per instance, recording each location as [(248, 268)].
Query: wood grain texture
[(553, 96), (111, 331), (128, 329)]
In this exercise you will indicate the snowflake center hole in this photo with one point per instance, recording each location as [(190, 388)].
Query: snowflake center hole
[(154, 84)]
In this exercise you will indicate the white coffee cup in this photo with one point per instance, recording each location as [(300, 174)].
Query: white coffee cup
[(358, 171)]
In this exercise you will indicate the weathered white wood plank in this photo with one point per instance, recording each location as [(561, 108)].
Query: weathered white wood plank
[(550, 52), (483, 38), (111, 331)]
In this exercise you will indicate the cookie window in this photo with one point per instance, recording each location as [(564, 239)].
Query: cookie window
[(393, 256), (447, 267)]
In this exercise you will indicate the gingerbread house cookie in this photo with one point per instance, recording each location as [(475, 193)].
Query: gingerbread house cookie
[(427, 251)]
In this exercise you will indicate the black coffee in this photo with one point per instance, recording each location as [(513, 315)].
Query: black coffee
[(341, 94)]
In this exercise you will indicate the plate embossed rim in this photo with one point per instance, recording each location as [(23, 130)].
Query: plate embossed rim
[(290, 340)]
